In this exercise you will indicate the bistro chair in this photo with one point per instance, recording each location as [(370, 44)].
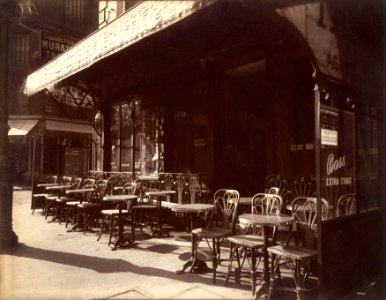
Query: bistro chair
[(91, 209), (71, 205), (346, 205), (245, 246), (146, 208), (52, 206), (110, 216), (61, 201), (299, 258), (221, 225)]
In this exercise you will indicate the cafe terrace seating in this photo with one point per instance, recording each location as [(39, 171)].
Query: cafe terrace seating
[(221, 225), (51, 205), (110, 215), (245, 246), (299, 258), (61, 201), (91, 209), (71, 205), (145, 209)]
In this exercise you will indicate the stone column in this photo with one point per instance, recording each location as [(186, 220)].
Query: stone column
[(7, 237)]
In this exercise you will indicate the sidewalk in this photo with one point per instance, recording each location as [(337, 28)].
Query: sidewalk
[(51, 263)]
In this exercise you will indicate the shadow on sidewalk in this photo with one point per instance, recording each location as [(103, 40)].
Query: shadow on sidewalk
[(98, 264)]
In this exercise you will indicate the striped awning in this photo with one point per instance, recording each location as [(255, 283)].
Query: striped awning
[(145, 19)]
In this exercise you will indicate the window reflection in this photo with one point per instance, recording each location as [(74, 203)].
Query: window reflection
[(136, 134)]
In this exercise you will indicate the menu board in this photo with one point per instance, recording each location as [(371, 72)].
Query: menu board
[(76, 161)]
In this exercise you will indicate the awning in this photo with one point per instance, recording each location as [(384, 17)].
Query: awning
[(21, 127), (68, 127), (143, 20)]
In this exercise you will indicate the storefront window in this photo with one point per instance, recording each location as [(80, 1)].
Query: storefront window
[(146, 149), (368, 162), (115, 132)]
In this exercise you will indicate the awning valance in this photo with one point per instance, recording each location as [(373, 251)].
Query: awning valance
[(21, 127), (68, 127), (143, 20)]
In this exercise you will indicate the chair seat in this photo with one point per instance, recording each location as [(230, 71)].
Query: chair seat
[(247, 240), (292, 252), (74, 203), (51, 197), (40, 195), (64, 200), (145, 206), (213, 232), (111, 212), (88, 205)]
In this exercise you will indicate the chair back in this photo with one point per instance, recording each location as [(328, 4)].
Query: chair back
[(100, 191), (147, 186), (346, 205), (305, 216), (76, 181), (265, 203), (273, 190), (225, 208), (66, 180), (303, 188), (88, 183)]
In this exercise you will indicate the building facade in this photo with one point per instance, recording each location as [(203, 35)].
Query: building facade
[(43, 137), (238, 92)]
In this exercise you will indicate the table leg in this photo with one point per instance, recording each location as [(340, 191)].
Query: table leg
[(159, 230), (122, 242), (265, 254), (195, 264)]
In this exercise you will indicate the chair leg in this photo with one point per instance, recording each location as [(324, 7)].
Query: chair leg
[(103, 223), (214, 258), (111, 228), (253, 270), (231, 254), (275, 269)]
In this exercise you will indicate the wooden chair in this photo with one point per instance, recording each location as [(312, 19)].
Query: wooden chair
[(221, 225), (299, 258), (110, 216), (71, 205), (145, 209), (346, 205), (245, 246), (61, 201), (90, 209)]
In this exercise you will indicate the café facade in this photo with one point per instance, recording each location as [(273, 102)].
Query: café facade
[(238, 91)]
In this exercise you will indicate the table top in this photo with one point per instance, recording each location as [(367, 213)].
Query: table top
[(120, 197), (57, 187), (265, 219), (80, 191), (46, 184), (192, 207), (160, 193)]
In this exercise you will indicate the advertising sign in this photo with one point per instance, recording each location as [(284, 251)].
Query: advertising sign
[(337, 153), (53, 44)]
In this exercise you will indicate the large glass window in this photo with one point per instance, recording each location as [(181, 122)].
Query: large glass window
[(136, 134)]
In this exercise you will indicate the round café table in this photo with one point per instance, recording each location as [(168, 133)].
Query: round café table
[(265, 221), (192, 209), (121, 241)]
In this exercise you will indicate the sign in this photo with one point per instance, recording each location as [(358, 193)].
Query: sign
[(52, 45), (337, 153), (329, 137)]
